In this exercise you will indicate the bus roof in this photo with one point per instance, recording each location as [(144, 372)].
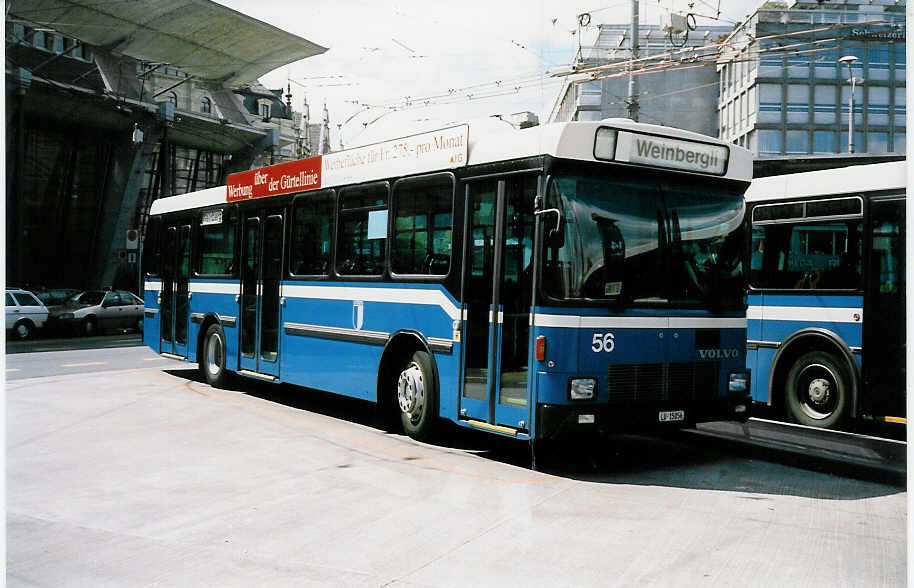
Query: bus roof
[(673, 150), (842, 180)]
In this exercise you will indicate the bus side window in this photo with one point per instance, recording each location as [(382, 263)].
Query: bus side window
[(312, 222), (152, 253), (217, 242), (423, 226), (362, 234)]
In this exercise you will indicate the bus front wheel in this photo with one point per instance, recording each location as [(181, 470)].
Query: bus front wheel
[(212, 360), (417, 396), (818, 391)]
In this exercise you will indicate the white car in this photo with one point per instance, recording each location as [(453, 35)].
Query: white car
[(24, 313)]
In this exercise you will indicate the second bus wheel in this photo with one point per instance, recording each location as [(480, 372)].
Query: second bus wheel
[(212, 360), (417, 396), (818, 390)]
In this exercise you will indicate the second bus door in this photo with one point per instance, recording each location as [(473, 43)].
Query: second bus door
[(173, 302), (497, 294), (261, 274)]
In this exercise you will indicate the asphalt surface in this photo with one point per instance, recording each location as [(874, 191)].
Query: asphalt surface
[(134, 473)]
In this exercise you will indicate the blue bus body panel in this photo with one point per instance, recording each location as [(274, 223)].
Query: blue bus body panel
[(151, 318), (774, 318)]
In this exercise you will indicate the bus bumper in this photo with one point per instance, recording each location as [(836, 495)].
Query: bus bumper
[(557, 420)]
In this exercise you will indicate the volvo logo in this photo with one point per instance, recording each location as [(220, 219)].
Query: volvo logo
[(718, 353)]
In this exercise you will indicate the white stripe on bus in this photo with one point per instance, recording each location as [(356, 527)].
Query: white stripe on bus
[(393, 295), (636, 322), (808, 314)]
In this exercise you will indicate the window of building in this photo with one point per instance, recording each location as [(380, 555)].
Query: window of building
[(423, 226), (824, 142), (770, 103), (900, 107), (798, 103), (173, 98), (770, 142), (858, 140), (797, 142), (312, 222), (206, 105), (899, 55), (824, 110), (362, 234), (217, 242), (898, 143), (877, 142)]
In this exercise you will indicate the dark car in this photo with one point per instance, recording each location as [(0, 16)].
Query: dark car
[(55, 296), (96, 310)]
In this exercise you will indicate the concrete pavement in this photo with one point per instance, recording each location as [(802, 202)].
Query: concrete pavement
[(147, 477)]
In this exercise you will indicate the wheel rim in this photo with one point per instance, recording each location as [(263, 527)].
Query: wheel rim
[(22, 330), (90, 327), (817, 391), (214, 355), (411, 392)]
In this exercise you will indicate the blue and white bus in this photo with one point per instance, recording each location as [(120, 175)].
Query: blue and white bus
[(574, 276), (827, 281)]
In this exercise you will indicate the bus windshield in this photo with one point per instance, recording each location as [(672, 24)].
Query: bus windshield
[(638, 241)]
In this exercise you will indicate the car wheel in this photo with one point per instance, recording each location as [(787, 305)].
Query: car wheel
[(818, 391), (212, 360), (417, 396), (23, 330), (139, 325), (90, 327)]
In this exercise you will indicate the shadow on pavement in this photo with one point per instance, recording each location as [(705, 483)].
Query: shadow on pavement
[(677, 460)]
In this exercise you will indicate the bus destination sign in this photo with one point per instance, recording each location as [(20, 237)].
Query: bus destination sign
[(671, 153), (283, 178)]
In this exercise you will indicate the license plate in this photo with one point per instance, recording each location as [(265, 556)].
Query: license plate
[(671, 416)]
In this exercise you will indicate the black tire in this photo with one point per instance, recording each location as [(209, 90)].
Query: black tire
[(90, 327), (23, 329), (818, 391), (417, 396), (212, 358)]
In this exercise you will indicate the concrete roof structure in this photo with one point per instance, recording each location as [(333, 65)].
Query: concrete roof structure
[(204, 39)]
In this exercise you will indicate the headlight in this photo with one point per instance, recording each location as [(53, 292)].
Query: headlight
[(65, 315), (582, 388), (738, 382)]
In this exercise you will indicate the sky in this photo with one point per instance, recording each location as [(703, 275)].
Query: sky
[(393, 66)]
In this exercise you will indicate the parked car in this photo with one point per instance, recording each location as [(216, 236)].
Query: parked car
[(55, 296), (24, 313), (93, 311)]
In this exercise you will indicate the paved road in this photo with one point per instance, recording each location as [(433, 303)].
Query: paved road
[(145, 476)]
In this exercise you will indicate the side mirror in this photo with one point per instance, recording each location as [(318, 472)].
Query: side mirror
[(554, 236)]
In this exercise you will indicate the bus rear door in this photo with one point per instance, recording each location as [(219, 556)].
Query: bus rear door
[(175, 290), (497, 294), (261, 273)]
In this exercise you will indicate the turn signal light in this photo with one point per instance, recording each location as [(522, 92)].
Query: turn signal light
[(541, 348)]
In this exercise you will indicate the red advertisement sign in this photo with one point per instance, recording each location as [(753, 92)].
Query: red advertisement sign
[(283, 178)]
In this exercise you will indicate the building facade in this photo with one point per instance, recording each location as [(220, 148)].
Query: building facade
[(94, 136), (682, 94), (783, 90)]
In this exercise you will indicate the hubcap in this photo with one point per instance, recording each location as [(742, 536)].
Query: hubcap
[(214, 355), (22, 331), (411, 392), (817, 391)]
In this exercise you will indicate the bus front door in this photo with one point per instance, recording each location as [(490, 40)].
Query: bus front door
[(261, 273), (497, 294), (175, 290)]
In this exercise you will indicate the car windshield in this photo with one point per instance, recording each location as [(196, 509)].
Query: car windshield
[(642, 240), (91, 298)]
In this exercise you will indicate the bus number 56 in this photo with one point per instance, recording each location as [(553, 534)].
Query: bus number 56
[(603, 342)]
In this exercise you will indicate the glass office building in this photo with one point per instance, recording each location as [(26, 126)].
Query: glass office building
[(783, 90)]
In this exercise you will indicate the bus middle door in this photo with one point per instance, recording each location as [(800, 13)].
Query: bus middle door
[(497, 294), (261, 274), (175, 291)]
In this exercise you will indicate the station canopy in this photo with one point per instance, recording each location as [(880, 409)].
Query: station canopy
[(201, 38)]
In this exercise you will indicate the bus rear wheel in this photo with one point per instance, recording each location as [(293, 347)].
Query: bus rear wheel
[(818, 391), (417, 396), (212, 360)]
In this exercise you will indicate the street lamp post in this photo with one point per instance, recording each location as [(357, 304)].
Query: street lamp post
[(849, 61)]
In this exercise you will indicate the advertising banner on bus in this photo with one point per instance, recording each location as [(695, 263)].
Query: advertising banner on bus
[(441, 149), (283, 178)]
